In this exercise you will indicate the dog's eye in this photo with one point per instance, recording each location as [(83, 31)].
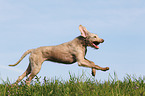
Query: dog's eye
[(95, 36)]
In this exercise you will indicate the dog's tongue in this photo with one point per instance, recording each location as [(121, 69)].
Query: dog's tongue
[(95, 46)]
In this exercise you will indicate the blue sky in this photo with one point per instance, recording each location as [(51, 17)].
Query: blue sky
[(29, 24)]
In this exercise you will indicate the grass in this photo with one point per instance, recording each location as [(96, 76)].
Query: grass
[(76, 86)]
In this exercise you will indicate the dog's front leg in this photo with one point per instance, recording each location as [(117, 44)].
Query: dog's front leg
[(90, 64), (93, 69)]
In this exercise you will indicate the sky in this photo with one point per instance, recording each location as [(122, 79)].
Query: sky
[(33, 23)]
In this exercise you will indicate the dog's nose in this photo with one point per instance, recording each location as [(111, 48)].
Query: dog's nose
[(102, 40)]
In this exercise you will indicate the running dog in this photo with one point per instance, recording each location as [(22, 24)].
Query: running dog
[(66, 53)]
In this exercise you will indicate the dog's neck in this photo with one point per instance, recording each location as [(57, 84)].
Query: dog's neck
[(82, 40)]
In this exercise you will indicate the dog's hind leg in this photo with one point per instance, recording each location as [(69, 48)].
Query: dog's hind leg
[(33, 73), (27, 72), (35, 68)]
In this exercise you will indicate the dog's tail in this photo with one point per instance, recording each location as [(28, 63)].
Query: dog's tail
[(27, 52)]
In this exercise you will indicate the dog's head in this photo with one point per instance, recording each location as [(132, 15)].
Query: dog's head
[(91, 39)]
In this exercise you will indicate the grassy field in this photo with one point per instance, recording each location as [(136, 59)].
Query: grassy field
[(76, 86)]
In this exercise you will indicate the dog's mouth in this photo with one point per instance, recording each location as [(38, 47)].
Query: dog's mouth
[(95, 44)]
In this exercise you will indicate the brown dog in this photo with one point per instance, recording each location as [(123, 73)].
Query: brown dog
[(67, 53)]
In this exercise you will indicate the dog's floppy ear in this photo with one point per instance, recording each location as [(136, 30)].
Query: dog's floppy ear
[(83, 31)]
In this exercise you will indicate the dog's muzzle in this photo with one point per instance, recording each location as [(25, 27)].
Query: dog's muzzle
[(95, 43)]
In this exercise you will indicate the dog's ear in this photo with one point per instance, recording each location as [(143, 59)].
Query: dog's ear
[(83, 30)]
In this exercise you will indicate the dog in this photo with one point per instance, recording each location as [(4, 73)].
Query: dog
[(66, 53)]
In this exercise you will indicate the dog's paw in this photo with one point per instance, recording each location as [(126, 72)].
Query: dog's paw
[(93, 72), (105, 69)]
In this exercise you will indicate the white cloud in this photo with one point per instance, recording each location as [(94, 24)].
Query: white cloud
[(10, 68)]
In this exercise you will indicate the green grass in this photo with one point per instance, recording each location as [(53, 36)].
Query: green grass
[(76, 86)]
